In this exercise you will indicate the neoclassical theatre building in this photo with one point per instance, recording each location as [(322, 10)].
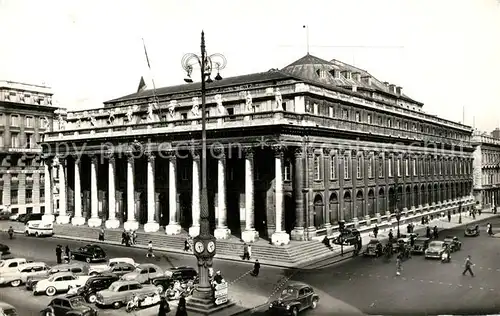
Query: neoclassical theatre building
[(291, 153)]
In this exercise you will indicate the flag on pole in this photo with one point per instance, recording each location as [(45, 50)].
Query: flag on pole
[(142, 85), (146, 53)]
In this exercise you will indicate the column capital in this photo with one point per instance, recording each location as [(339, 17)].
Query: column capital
[(111, 158), (150, 155), (298, 152), (219, 153), (310, 151), (196, 154), (130, 156), (249, 152), (327, 152), (278, 150)]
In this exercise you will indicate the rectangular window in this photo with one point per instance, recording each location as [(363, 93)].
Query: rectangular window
[(14, 140), (317, 167), (380, 167), (455, 167), (230, 111), (347, 170), (345, 114), (357, 117), (29, 121), (333, 167), (399, 167), (414, 166), (315, 108), (421, 164), (370, 167), (406, 126), (29, 141), (359, 167), (369, 118), (389, 167), (14, 120), (288, 170), (389, 123), (407, 168), (330, 112)]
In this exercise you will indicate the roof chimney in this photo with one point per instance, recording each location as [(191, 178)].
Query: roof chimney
[(392, 88), (356, 76), (367, 80), (386, 83), (399, 90)]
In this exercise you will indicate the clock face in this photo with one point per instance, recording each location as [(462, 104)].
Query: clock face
[(199, 247), (211, 246)]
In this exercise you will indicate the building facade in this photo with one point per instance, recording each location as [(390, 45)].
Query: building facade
[(26, 112), (487, 168), (291, 153)]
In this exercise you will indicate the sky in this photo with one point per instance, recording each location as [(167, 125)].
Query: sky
[(444, 53)]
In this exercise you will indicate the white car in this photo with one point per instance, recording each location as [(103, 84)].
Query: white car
[(99, 268), (13, 217), (59, 282), (10, 265), (23, 272), (39, 228)]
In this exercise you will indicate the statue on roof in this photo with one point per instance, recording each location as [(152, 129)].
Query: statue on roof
[(49, 100), (93, 121), (62, 122), (171, 108), (129, 114), (278, 99), (220, 107), (248, 102), (45, 122), (151, 107), (111, 117), (195, 111)]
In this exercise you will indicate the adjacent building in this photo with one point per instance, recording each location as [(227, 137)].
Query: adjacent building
[(26, 112), (291, 153), (487, 168)]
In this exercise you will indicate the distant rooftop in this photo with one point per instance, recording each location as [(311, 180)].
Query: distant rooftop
[(20, 86)]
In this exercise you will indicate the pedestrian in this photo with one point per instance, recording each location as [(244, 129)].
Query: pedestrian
[(408, 228), (246, 255), (101, 234), (375, 231), (391, 235), (468, 266), (489, 230), (435, 232), (256, 268), (398, 265), (150, 250), (124, 237), (428, 232), (11, 232), (181, 308), (422, 220), (187, 246), (164, 307), (359, 243), (249, 251), (449, 216), (59, 254), (67, 253), (134, 237)]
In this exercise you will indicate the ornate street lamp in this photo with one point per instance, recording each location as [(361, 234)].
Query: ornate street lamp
[(204, 243)]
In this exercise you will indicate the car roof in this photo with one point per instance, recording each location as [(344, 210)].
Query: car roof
[(297, 285), (122, 264), (64, 273), (125, 282), (148, 265), (34, 264), (70, 265), (5, 305), (437, 241), (422, 238)]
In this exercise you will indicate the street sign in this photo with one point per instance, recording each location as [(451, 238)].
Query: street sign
[(221, 293)]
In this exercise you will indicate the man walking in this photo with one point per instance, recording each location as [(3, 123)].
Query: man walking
[(246, 255), (375, 231), (398, 265), (59, 254), (468, 266)]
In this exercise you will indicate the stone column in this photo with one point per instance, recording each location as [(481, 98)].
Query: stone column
[(112, 222), (194, 230), (173, 227), (78, 219), (222, 231), (94, 220), (131, 223), (298, 188), (279, 237), (62, 218), (151, 226), (48, 216), (250, 234)]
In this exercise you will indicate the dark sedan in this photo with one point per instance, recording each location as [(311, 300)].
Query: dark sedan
[(75, 305), (453, 242), (94, 285), (4, 251), (349, 236), (181, 274), (471, 231), (295, 298), (89, 253), (373, 248)]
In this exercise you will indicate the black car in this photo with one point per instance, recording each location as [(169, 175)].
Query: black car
[(182, 274), (89, 253), (349, 236), (4, 215), (295, 298), (4, 250), (22, 217), (32, 217), (71, 305), (96, 284), (420, 245), (374, 248), (471, 231)]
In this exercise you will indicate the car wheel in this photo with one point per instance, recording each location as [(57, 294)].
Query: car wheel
[(314, 303), (50, 291), (91, 298), (160, 288), (87, 260), (15, 283), (295, 311), (117, 305)]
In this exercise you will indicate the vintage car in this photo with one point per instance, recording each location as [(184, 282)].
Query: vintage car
[(71, 305), (296, 297), (349, 236), (374, 248), (76, 268), (435, 249), (120, 292), (420, 245), (93, 285), (455, 244), (10, 265), (7, 309), (89, 253), (14, 217), (144, 273), (400, 242), (4, 252), (182, 274), (5, 215), (471, 231), (95, 269), (59, 282), (23, 272)]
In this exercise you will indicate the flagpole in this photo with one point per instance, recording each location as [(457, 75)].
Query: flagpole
[(155, 98)]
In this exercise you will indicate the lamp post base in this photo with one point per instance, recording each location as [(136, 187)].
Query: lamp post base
[(280, 238), (205, 306), (78, 221)]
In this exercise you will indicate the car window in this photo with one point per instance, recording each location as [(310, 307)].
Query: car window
[(26, 270), (134, 286), (65, 304), (152, 270), (123, 288), (127, 268), (145, 271), (58, 279), (302, 292), (76, 270), (12, 264), (38, 268), (68, 278)]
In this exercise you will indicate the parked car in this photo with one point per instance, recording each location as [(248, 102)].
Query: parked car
[(349, 236), (59, 282), (4, 251), (14, 217), (455, 244), (420, 245), (435, 249), (89, 253), (471, 231), (120, 292), (31, 217), (38, 228), (7, 309), (144, 273), (5, 216), (182, 274), (10, 265), (76, 268), (399, 243), (295, 298), (93, 285), (21, 217), (23, 272), (96, 269), (374, 248), (71, 305)]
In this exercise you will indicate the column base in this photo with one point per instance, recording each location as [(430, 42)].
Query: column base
[(222, 233), (280, 238), (50, 218), (131, 225), (173, 229), (194, 231), (78, 221), (95, 222), (62, 219), (310, 232), (151, 227), (250, 235), (298, 234), (112, 223)]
